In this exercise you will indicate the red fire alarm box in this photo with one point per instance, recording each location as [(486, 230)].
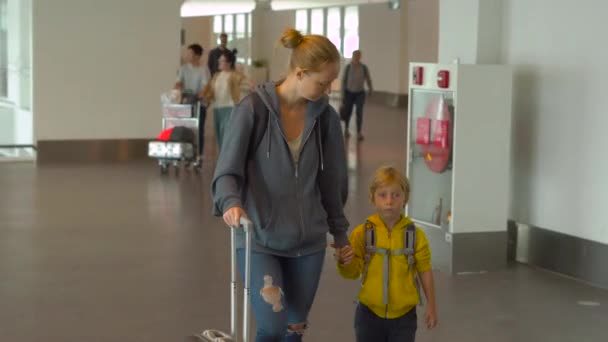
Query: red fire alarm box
[(443, 79), (418, 75)]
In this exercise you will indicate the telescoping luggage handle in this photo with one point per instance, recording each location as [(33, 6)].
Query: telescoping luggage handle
[(246, 225), (213, 335)]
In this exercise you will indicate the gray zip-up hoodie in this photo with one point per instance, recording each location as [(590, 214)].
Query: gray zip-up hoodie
[(292, 208)]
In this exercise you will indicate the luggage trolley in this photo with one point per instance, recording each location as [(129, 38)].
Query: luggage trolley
[(180, 154)]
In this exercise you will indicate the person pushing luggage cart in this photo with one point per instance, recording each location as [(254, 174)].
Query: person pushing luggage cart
[(192, 78)]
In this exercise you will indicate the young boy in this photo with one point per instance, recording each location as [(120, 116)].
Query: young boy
[(389, 292)]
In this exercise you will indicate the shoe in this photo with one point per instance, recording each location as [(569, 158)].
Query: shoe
[(360, 137)]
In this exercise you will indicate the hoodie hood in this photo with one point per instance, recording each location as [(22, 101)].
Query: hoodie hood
[(268, 93)]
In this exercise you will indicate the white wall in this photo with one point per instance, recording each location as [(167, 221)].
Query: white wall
[(274, 52), (422, 31), (379, 41), (390, 40), (489, 35), (458, 30), (560, 165), (199, 30), (100, 66)]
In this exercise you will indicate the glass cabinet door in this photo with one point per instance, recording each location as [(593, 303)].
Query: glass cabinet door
[(430, 157)]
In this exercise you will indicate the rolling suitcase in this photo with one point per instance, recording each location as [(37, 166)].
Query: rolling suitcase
[(213, 335)]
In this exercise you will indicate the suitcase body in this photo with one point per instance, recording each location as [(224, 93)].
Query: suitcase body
[(214, 335)]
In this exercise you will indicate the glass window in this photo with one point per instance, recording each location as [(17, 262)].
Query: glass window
[(351, 18), (317, 21), (249, 25), (302, 21), (334, 26), (351, 30), (342, 27), (240, 23), (241, 41), (218, 27), (229, 26), (16, 115), (3, 49), (217, 24)]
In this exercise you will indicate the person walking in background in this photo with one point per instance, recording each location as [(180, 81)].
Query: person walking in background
[(192, 78), (353, 92), (215, 53), (226, 89)]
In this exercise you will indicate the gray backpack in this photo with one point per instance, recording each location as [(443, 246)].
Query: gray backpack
[(409, 249)]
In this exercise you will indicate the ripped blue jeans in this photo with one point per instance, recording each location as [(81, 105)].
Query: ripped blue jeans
[(282, 292)]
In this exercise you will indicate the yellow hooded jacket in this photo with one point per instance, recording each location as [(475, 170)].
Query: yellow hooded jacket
[(402, 293)]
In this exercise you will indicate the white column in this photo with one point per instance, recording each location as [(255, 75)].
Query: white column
[(470, 31), (404, 57), (259, 15)]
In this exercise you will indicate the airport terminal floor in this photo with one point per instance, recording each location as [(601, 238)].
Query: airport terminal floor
[(115, 252)]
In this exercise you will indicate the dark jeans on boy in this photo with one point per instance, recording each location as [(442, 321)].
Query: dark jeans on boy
[(371, 328)]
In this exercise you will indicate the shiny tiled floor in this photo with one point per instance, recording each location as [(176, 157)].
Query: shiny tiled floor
[(117, 253)]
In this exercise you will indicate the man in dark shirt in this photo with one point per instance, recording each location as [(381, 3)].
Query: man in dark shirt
[(214, 54)]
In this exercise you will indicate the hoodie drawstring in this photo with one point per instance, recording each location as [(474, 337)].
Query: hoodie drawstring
[(269, 130), (259, 90), (320, 143)]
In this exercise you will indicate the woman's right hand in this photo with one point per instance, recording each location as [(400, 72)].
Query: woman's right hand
[(232, 216), (345, 255)]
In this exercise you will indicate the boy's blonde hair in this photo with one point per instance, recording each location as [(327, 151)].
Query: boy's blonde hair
[(388, 175)]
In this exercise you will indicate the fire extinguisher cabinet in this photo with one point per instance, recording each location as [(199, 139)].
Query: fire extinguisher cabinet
[(458, 162)]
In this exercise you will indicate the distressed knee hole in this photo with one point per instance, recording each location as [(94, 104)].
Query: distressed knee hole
[(271, 294), (297, 328)]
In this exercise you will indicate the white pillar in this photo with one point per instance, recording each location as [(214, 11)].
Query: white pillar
[(470, 31), (259, 15), (403, 50)]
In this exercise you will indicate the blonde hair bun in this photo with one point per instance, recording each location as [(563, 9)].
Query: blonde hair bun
[(291, 38)]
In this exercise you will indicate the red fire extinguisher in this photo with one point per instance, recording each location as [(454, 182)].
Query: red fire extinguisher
[(434, 135)]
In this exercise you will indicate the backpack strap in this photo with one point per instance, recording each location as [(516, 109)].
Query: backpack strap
[(370, 250), (370, 246), (409, 249), (409, 245), (345, 77)]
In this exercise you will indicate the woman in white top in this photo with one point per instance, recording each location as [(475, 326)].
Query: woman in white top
[(226, 89)]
